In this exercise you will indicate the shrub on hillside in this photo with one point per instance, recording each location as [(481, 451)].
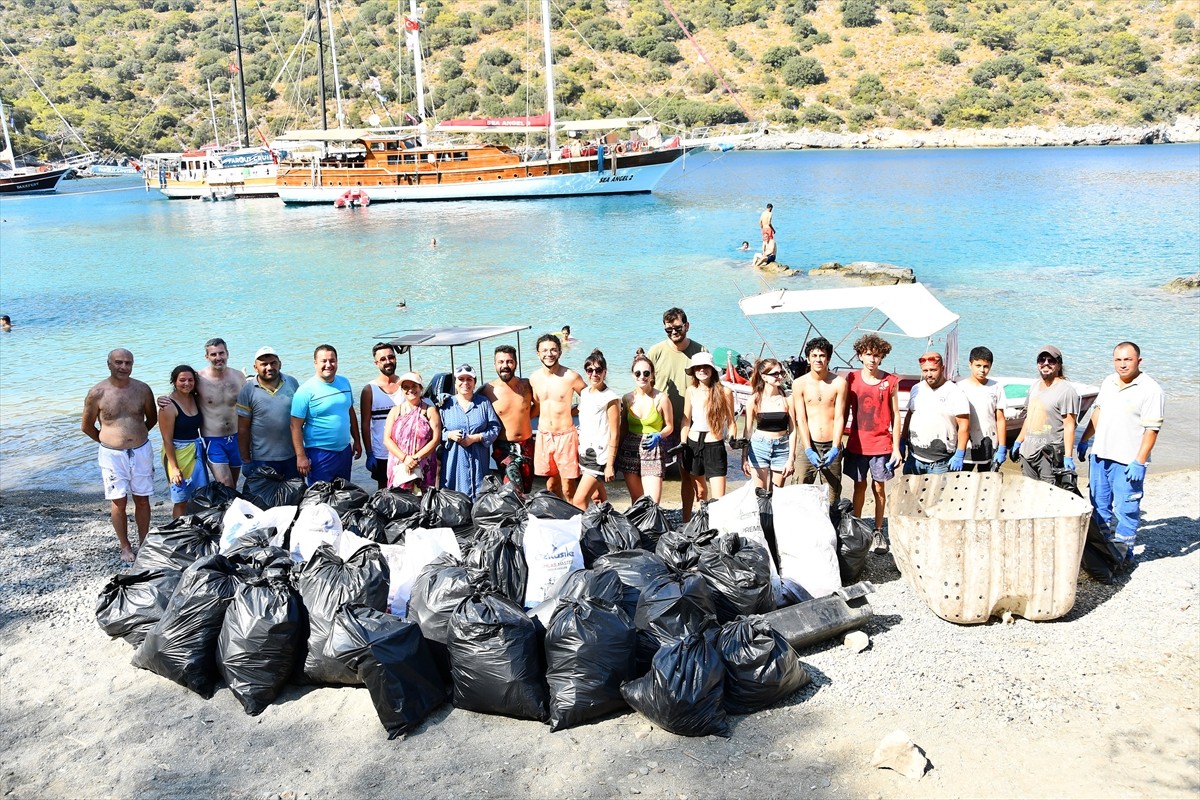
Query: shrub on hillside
[(859, 13), (803, 71)]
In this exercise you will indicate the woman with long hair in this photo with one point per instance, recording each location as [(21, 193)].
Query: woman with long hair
[(599, 431), (183, 448), (770, 457), (707, 421), (411, 435), (646, 421)]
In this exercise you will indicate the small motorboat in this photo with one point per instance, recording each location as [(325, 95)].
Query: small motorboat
[(352, 198)]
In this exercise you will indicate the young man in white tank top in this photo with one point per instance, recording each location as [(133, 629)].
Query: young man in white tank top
[(377, 400)]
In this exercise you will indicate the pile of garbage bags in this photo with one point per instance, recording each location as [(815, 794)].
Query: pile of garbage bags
[(511, 605)]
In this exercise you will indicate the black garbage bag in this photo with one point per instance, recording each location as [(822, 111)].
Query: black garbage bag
[(648, 517), (446, 508), (436, 592), (684, 690), (260, 642), (340, 493), (674, 606), (395, 504), (495, 658), (1102, 559), (547, 505), (594, 585), (497, 504), (766, 521), (267, 488), (182, 645), (255, 552), (854, 541), (213, 496), (636, 569), (681, 549), (590, 651), (498, 558), (699, 521), (367, 523), (130, 603), (326, 583), (603, 530), (393, 660), (761, 668), (178, 544), (738, 571)]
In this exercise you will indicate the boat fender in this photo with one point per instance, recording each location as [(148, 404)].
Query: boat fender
[(619, 149)]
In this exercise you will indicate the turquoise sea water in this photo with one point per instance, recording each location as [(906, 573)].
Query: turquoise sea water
[(1030, 246)]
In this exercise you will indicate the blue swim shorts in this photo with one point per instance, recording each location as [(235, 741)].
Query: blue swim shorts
[(325, 465), (223, 450)]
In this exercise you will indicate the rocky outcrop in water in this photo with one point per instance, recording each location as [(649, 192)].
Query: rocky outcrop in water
[(872, 273), (1183, 284)]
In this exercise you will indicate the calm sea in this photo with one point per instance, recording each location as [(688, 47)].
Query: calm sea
[(1032, 246)]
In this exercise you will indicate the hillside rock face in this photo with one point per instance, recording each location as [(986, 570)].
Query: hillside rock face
[(872, 273)]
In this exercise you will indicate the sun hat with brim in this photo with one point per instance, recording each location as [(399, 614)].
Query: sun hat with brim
[(412, 377), (701, 360), (1051, 350), (464, 369)]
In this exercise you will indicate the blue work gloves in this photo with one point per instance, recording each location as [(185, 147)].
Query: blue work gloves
[(830, 456), (652, 441), (813, 458), (1015, 453), (1082, 449), (904, 448), (1069, 463), (1135, 472), (956, 460), (370, 460), (1001, 454)]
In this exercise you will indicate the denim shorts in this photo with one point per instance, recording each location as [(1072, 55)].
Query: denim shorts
[(766, 452)]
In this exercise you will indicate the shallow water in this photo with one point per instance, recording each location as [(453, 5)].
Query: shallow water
[(1031, 246)]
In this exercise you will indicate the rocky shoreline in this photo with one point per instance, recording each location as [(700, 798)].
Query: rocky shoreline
[(1183, 129)]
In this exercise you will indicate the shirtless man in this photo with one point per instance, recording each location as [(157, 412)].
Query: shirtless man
[(820, 418), (556, 447), (767, 256), (218, 387), (376, 402), (125, 409), (512, 399), (766, 223)]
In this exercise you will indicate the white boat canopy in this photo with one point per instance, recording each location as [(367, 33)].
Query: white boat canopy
[(911, 307)]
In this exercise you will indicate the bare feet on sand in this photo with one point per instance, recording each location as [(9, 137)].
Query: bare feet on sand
[(127, 555)]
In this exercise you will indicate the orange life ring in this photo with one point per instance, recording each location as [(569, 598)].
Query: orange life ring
[(619, 149), (636, 145)]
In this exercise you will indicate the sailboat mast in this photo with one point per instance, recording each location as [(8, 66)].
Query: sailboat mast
[(212, 110), (414, 43), (237, 43), (321, 69), (6, 155), (551, 139), (337, 83)]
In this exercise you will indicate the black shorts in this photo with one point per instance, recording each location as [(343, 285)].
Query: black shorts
[(705, 459), (379, 471)]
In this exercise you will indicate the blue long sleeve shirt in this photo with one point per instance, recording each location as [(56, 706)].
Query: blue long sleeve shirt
[(464, 468)]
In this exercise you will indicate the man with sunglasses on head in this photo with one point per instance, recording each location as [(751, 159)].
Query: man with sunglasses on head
[(937, 426), (1048, 433), (820, 398), (671, 359), (376, 402), (1126, 419)]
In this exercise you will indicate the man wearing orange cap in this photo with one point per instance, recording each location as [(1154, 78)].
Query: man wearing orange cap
[(937, 425)]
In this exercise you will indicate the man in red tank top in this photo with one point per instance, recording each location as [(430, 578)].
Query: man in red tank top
[(873, 446)]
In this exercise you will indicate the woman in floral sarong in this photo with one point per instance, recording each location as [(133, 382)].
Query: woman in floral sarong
[(411, 433)]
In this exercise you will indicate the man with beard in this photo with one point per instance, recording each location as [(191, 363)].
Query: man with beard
[(218, 387), (1051, 409), (512, 399), (264, 408), (938, 423), (671, 359), (323, 422), (556, 447), (125, 410), (377, 401)]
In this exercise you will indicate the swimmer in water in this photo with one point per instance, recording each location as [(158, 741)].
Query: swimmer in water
[(745, 246)]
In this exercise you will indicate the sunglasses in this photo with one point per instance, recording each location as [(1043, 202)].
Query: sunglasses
[(594, 370), (642, 373), (1047, 360), (410, 387), (776, 374), (929, 360), (673, 328)]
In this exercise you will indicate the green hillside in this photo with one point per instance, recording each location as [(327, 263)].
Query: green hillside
[(132, 75)]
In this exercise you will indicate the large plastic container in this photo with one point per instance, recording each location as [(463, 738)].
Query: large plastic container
[(974, 545)]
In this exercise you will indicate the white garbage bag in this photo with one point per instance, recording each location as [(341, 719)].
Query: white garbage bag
[(239, 519), (806, 538), (405, 561), (551, 551), (316, 525)]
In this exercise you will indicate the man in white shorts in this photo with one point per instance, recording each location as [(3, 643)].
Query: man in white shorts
[(125, 410)]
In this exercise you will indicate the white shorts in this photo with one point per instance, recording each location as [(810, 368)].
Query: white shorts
[(127, 472)]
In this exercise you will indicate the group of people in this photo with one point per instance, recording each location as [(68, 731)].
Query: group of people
[(679, 415)]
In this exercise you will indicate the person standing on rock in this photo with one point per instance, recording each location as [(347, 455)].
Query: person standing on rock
[(126, 412), (377, 401), (766, 223), (1126, 419), (1044, 443)]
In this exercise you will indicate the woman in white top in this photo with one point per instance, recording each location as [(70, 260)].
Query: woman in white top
[(770, 456), (599, 431), (707, 420)]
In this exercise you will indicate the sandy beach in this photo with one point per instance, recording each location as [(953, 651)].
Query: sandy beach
[(1102, 703)]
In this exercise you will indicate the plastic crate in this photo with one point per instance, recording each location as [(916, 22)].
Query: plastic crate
[(974, 545)]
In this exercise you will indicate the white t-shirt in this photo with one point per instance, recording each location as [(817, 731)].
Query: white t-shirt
[(594, 430), (932, 427), (1126, 412), (984, 399)]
